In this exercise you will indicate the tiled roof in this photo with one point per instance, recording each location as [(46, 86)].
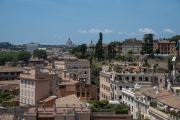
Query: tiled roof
[(71, 101), (48, 99), (6, 117), (173, 101), (156, 93), (10, 69)]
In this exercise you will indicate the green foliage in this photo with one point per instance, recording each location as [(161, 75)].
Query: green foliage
[(129, 58), (152, 54), (12, 103), (4, 96), (148, 43), (95, 74), (118, 57), (130, 52), (173, 112), (145, 63), (157, 51), (23, 56), (170, 63), (41, 54), (142, 52), (99, 50), (175, 38), (153, 104), (104, 106)]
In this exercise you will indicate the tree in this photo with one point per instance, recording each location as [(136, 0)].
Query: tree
[(148, 43), (157, 51), (118, 57), (41, 54), (23, 56), (83, 49), (99, 51), (130, 52), (175, 38), (76, 49), (95, 74), (142, 52)]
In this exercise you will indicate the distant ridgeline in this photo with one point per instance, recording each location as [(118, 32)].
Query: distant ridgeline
[(7, 45)]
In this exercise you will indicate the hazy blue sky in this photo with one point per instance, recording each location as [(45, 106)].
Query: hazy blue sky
[(54, 21)]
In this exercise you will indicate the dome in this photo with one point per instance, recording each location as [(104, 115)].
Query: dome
[(69, 42), (91, 44)]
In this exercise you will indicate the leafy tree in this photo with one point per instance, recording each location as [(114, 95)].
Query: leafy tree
[(41, 54), (157, 51), (23, 56), (118, 57), (148, 43), (83, 49), (99, 50), (142, 52), (78, 55), (175, 38), (95, 74), (130, 52), (76, 49), (152, 54)]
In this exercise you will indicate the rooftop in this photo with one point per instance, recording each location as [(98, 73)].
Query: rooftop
[(71, 101), (9, 82), (10, 69)]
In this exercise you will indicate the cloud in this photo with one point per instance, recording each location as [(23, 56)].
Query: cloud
[(105, 31), (95, 31), (120, 33), (132, 34), (168, 31), (147, 31), (57, 36), (82, 31)]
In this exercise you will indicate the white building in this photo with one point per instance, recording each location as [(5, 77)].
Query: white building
[(32, 46)]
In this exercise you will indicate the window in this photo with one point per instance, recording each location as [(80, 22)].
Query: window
[(77, 117), (28, 101), (120, 97), (83, 95), (87, 94), (120, 87), (115, 87), (85, 72), (132, 108), (32, 83), (146, 78), (21, 92), (160, 80), (56, 82), (69, 66), (79, 66), (28, 93), (28, 83), (127, 86), (32, 93), (32, 102), (51, 83), (25, 83), (25, 92), (22, 100), (78, 94)]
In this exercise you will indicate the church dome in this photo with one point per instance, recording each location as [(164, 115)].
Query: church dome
[(91, 44), (69, 42)]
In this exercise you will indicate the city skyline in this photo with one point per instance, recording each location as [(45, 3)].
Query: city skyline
[(53, 22)]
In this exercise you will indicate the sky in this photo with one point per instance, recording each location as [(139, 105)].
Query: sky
[(52, 22)]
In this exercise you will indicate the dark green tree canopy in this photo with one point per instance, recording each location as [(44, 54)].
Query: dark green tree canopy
[(41, 54), (99, 50), (148, 43), (23, 56)]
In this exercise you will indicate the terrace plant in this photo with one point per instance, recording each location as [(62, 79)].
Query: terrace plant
[(153, 104)]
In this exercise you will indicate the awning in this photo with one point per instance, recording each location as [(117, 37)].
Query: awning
[(159, 103), (176, 110), (165, 106)]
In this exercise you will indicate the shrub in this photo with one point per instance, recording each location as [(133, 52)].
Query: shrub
[(153, 104)]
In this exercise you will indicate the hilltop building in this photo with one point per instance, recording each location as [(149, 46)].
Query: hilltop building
[(69, 43), (32, 46), (92, 46)]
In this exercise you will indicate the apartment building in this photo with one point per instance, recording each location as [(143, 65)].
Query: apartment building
[(36, 62), (37, 84), (66, 108), (165, 46), (131, 44), (111, 83), (82, 90), (9, 73), (71, 68), (128, 98), (167, 108), (145, 97)]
